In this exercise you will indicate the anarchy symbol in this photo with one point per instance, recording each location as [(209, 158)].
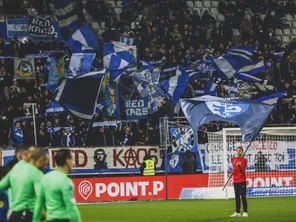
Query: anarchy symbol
[(130, 158)]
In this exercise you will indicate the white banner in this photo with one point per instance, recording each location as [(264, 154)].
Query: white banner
[(109, 157), (275, 152)]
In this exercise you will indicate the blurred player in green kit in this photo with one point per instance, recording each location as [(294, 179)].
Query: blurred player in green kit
[(24, 180), (57, 192)]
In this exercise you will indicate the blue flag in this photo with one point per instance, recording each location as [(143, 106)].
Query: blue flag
[(176, 86), (174, 162), (249, 115), (79, 96), (117, 58), (82, 40), (272, 99), (183, 139), (146, 83), (235, 58), (53, 75), (248, 72), (66, 13), (127, 41), (81, 63), (112, 104)]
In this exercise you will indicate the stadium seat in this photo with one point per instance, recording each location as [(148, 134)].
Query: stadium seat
[(215, 4), (87, 18), (287, 32), (207, 4), (102, 25), (214, 11), (118, 11), (278, 32), (289, 17), (100, 32), (84, 11), (221, 18), (112, 3), (294, 24), (286, 39), (95, 25), (198, 4), (278, 38), (262, 16), (294, 17), (198, 10), (294, 32), (119, 4), (190, 4)]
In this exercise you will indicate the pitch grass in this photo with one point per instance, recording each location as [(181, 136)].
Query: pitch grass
[(260, 209)]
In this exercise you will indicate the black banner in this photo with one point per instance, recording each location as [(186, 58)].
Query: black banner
[(40, 26)]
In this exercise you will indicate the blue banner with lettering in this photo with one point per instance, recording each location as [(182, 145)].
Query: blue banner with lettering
[(136, 108)]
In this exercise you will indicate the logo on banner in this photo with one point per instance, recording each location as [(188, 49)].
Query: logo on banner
[(226, 110), (183, 139), (24, 68), (85, 189), (174, 160)]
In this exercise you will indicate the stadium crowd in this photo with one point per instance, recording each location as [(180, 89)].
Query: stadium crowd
[(162, 29)]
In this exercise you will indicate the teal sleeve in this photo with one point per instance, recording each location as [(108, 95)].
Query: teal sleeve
[(40, 203), (5, 182), (70, 202)]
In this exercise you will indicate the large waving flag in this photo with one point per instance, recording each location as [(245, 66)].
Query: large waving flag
[(249, 115), (272, 99), (235, 58), (83, 39), (176, 85), (66, 13), (248, 72), (79, 96), (117, 58)]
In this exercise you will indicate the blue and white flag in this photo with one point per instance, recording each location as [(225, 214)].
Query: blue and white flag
[(174, 162), (248, 72), (127, 41), (146, 83), (235, 58), (176, 86), (146, 65), (112, 103), (83, 40), (136, 108), (212, 87), (80, 63), (53, 75), (272, 99), (117, 58), (79, 96), (183, 139), (66, 13), (249, 115)]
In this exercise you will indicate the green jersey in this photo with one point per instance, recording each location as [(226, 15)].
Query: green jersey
[(24, 181), (57, 197)]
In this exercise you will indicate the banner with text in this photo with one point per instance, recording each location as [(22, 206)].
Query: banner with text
[(24, 68), (277, 154), (110, 159), (17, 27), (136, 108), (149, 188), (40, 26)]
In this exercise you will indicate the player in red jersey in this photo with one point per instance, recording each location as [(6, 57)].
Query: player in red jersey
[(239, 165)]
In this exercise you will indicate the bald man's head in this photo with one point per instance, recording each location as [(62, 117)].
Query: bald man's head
[(38, 157)]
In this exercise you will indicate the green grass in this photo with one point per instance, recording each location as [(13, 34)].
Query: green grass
[(260, 209)]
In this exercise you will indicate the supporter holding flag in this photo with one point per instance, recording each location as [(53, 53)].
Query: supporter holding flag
[(17, 135), (57, 192)]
